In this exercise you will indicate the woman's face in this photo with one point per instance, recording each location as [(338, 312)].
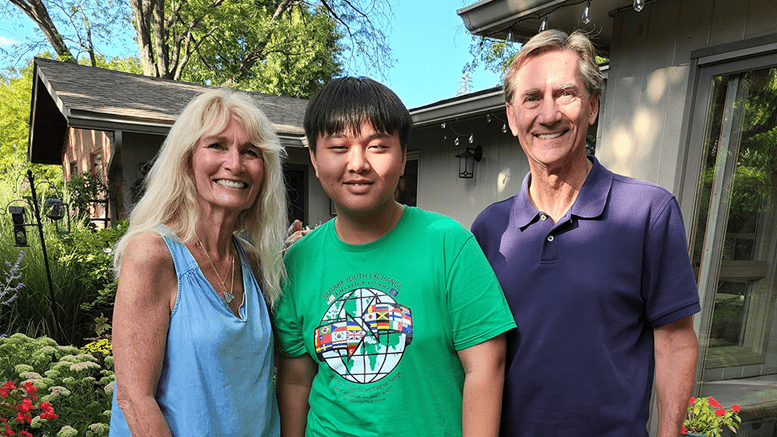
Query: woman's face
[(227, 170)]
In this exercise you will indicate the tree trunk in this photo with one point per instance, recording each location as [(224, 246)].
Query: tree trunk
[(36, 10), (140, 9)]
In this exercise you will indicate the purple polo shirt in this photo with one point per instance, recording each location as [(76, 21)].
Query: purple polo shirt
[(586, 293)]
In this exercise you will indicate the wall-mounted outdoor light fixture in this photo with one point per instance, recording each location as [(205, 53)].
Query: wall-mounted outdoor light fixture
[(467, 160)]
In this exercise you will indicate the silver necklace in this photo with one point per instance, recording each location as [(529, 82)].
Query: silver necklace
[(228, 296)]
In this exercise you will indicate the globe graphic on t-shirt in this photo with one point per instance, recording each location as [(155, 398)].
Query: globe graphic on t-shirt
[(363, 335)]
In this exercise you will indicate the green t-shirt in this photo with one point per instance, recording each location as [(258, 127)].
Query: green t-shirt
[(384, 321)]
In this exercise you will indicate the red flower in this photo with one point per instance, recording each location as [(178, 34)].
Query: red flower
[(49, 414), (736, 408), (25, 433), (29, 387), (8, 431), (715, 403), (25, 406), (684, 430), (720, 412), (691, 401)]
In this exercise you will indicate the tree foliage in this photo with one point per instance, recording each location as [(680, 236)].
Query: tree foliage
[(15, 116), (287, 47), (493, 54), (291, 53)]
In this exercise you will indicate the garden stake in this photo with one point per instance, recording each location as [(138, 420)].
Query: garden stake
[(38, 223)]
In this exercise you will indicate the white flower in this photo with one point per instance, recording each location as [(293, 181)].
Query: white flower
[(67, 431), (86, 365)]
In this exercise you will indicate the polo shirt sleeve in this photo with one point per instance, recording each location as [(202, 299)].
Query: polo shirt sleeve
[(288, 332), (668, 284), (477, 306)]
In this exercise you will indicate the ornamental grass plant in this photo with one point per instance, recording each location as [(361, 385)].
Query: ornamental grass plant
[(707, 417), (81, 270)]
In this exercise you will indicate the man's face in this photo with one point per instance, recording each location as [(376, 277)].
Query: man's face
[(551, 110), (359, 172)]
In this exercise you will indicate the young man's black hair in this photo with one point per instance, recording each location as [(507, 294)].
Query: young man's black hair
[(346, 102)]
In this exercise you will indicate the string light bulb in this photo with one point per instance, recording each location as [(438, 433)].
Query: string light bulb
[(442, 125), (456, 141), (471, 138), (504, 128), (587, 13), (639, 5), (544, 24), (488, 118), (510, 35)]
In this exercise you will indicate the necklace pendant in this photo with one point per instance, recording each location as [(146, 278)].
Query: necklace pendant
[(229, 297)]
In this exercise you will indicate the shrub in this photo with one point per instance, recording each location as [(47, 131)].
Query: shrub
[(81, 264), (78, 386)]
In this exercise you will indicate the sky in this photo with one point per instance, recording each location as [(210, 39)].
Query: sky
[(428, 40)]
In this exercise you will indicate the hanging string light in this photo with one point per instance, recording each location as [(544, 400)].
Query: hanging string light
[(586, 18), (544, 24), (489, 116), (639, 5)]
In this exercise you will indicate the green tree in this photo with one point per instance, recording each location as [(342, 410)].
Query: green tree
[(293, 54), (287, 47), (493, 54), (15, 116)]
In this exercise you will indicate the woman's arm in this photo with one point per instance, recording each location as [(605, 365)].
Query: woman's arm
[(484, 365), (144, 299)]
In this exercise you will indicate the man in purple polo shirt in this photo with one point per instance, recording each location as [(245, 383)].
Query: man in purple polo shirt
[(594, 265)]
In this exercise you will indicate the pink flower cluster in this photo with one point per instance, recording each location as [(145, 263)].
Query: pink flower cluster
[(19, 401)]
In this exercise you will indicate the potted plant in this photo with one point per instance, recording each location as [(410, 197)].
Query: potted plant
[(706, 417)]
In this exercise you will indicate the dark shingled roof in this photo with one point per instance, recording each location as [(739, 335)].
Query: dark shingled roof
[(66, 94)]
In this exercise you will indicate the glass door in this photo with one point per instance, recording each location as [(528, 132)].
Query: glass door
[(734, 227)]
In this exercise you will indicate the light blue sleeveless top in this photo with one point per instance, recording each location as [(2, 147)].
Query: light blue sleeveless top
[(217, 374)]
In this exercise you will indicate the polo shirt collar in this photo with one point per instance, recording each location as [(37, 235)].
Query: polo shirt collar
[(589, 204)]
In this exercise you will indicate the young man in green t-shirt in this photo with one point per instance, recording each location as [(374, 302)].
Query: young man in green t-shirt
[(392, 321)]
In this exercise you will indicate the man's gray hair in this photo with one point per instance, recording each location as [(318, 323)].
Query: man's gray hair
[(551, 40)]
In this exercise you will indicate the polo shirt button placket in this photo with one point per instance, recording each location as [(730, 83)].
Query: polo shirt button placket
[(550, 249)]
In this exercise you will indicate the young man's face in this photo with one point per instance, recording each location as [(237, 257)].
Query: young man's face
[(359, 172)]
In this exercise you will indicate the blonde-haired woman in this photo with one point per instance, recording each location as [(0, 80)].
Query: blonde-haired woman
[(191, 331)]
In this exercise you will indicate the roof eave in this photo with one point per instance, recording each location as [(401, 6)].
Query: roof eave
[(495, 18), (459, 107)]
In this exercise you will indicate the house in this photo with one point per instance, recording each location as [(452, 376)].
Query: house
[(111, 124), (691, 104)]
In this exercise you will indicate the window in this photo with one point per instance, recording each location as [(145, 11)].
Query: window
[(407, 189), (734, 237)]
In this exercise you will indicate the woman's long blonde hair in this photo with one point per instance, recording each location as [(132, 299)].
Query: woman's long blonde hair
[(170, 196)]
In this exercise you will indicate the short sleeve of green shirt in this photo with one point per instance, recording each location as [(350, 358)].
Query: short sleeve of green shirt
[(477, 305), (288, 335)]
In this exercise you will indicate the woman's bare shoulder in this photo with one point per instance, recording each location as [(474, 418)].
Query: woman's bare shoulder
[(147, 255)]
